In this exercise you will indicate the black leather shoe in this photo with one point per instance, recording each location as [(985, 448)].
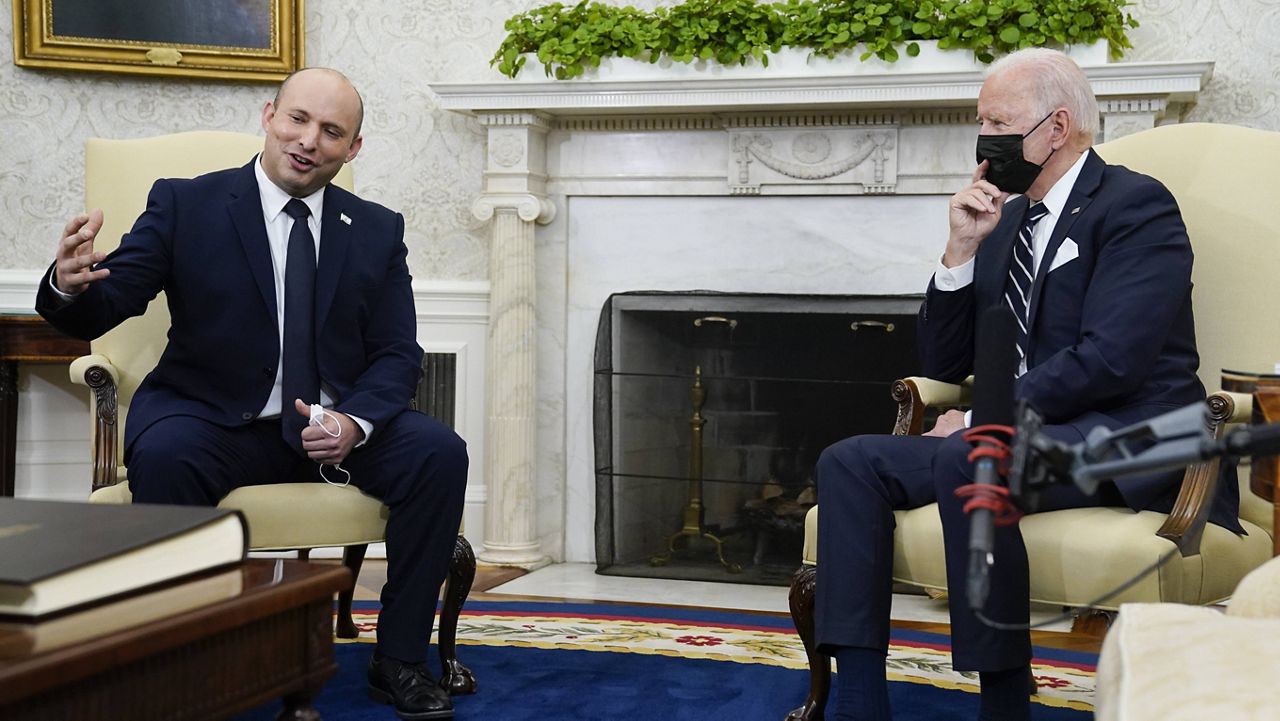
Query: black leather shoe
[(409, 687)]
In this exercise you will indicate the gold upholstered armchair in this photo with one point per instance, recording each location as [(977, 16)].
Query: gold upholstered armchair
[(281, 516), (1224, 179)]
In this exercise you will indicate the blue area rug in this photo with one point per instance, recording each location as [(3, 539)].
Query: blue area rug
[(557, 661)]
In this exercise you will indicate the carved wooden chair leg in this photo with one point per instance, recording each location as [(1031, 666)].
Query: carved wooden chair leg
[(801, 599), (352, 558), (454, 677)]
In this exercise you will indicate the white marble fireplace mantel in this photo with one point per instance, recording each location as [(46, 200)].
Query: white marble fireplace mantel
[(1171, 84), (821, 183)]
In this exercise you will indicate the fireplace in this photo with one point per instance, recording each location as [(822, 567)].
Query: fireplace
[(710, 412), (597, 187)]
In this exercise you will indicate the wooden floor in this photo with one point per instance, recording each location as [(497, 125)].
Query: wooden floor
[(1083, 642), (374, 573)]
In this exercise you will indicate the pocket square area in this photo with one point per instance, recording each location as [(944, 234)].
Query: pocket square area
[(1067, 252)]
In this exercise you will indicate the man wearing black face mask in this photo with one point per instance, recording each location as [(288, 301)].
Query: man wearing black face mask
[(1007, 168), (1094, 262)]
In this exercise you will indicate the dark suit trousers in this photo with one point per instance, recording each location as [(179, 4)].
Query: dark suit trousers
[(861, 481), (414, 464)]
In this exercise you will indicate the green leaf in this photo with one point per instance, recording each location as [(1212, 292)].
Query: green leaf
[(574, 37)]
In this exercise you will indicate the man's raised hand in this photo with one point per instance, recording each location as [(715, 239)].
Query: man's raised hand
[(974, 213), (73, 266)]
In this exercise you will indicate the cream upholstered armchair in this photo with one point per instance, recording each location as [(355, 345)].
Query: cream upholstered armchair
[(281, 516), (1224, 179)]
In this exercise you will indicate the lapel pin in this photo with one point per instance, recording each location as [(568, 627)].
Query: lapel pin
[(343, 217), (1073, 210)]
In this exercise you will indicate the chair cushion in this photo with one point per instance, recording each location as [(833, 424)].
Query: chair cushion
[(334, 516), (1077, 555)]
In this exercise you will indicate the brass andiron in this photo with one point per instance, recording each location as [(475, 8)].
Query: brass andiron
[(693, 512)]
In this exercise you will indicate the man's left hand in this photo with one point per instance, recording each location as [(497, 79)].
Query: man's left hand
[(947, 423), (321, 444)]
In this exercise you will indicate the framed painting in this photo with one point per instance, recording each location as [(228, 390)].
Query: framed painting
[(224, 39)]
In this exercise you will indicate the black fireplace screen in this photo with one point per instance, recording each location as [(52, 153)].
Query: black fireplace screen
[(710, 412)]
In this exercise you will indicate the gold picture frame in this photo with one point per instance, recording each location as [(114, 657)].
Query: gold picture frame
[(222, 39)]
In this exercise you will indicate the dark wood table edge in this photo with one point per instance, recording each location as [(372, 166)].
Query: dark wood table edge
[(29, 677)]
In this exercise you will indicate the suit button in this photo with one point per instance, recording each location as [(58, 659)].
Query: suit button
[(268, 371), (246, 416)]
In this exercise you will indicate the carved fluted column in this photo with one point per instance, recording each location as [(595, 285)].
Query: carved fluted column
[(514, 200)]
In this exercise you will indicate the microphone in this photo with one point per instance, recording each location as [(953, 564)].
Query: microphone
[(1253, 441), (994, 367)]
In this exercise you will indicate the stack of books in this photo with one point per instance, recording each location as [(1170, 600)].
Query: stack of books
[(57, 558)]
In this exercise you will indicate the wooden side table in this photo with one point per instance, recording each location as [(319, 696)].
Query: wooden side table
[(268, 636), (1264, 472), (25, 339)]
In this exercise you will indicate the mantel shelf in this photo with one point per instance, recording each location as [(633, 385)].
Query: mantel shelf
[(1172, 81)]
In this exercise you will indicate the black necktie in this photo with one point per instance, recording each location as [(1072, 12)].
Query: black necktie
[(1017, 292), (299, 376)]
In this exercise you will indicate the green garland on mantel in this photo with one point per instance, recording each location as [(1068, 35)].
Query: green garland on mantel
[(568, 39)]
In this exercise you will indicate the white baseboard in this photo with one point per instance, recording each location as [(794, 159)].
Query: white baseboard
[(18, 289)]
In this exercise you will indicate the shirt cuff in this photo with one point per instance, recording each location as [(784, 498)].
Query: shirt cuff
[(968, 419), (65, 298), (365, 426), (948, 279)]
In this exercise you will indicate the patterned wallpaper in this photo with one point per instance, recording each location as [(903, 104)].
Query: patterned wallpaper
[(426, 162)]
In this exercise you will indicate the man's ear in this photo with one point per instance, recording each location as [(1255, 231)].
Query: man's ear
[(355, 148), (1063, 127), (268, 112)]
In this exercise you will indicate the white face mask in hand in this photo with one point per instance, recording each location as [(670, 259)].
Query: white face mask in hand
[(318, 414)]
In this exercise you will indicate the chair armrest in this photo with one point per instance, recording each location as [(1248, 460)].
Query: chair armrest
[(916, 393), (1185, 525), (1242, 406), (80, 369), (101, 377)]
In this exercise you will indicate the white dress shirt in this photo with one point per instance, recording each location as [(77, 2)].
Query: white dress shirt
[(278, 224)]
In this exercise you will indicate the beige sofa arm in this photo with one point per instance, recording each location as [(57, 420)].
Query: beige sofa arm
[(1168, 660), (1258, 594)]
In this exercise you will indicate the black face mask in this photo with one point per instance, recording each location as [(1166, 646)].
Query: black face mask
[(1007, 169)]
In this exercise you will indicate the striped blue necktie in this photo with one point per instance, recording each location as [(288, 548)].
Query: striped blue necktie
[(1017, 292)]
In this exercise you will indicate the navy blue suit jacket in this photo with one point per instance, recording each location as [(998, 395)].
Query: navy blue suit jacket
[(1111, 339), (204, 243)]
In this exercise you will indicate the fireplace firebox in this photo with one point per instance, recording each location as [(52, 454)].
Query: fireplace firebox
[(710, 412)]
